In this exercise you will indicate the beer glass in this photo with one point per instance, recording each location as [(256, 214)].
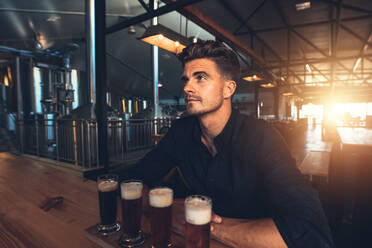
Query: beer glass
[(107, 192), (131, 201), (161, 200), (198, 214)]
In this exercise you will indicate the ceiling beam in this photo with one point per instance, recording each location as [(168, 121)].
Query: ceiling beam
[(144, 5), (347, 6), (56, 12), (299, 62), (147, 16), (250, 16), (200, 18), (356, 18), (229, 8), (363, 40)]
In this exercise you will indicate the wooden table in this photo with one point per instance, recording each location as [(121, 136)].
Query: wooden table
[(350, 179), (316, 163), (25, 184)]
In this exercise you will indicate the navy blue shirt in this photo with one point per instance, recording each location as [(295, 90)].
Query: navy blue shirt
[(252, 176)]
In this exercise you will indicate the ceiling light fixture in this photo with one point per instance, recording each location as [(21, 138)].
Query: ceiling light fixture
[(53, 18), (165, 38), (303, 5), (253, 78), (268, 85), (288, 93), (308, 68)]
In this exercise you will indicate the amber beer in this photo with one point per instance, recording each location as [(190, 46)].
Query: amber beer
[(198, 214), (131, 200), (107, 193), (161, 200)]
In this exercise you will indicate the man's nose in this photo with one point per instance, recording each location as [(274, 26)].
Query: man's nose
[(188, 88)]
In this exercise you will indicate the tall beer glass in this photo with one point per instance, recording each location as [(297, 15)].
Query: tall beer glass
[(131, 200), (161, 200), (107, 193), (198, 214)]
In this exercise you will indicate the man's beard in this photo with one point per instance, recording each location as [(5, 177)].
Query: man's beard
[(200, 112)]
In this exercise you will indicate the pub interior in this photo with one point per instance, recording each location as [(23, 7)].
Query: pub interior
[(91, 86)]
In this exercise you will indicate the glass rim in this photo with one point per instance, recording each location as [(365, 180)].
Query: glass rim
[(202, 197), (161, 187), (108, 176), (131, 181)]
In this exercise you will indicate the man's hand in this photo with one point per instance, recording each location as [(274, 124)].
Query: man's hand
[(216, 219), (245, 233)]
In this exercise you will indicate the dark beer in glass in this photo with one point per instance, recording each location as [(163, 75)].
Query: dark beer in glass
[(131, 201), (161, 200), (198, 214), (107, 197)]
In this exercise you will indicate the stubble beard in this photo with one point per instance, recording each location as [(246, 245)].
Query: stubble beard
[(201, 112)]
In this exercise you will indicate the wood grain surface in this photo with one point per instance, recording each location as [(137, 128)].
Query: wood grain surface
[(25, 184)]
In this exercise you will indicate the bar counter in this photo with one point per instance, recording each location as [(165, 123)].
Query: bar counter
[(26, 184)]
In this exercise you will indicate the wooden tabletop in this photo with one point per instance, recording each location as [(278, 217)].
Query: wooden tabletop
[(355, 136), (25, 184), (316, 163)]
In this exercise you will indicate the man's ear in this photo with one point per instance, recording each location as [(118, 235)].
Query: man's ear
[(229, 89)]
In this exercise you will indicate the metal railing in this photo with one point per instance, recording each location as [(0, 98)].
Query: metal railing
[(76, 141)]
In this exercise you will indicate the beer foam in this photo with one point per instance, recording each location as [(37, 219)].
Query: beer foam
[(198, 211), (161, 197), (131, 190), (106, 186)]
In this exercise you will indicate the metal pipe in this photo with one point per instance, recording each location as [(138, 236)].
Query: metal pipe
[(82, 137), (99, 39), (6, 49), (58, 12), (155, 67), (37, 136), (57, 141), (19, 104), (91, 48)]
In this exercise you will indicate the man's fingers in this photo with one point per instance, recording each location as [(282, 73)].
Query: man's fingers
[(216, 219)]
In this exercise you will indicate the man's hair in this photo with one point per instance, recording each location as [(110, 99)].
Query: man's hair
[(226, 60)]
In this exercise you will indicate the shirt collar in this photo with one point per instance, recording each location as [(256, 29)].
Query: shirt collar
[(226, 135)]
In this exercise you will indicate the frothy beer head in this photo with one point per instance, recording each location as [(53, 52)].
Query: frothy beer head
[(161, 197), (131, 190), (198, 210), (107, 186)]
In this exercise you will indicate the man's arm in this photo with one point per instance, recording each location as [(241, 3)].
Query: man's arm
[(288, 197), (155, 164), (241, 233)]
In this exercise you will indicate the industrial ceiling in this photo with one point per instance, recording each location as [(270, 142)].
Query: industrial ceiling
[(320, 51)]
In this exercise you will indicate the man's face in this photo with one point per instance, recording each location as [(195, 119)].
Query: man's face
[(203, 87)]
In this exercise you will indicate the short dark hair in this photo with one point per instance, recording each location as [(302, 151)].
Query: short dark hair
[(226, 60)]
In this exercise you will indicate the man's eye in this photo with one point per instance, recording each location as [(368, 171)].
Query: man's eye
[(200, 77)]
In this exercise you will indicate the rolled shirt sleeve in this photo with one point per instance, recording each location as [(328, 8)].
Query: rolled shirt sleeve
[(290, 199)]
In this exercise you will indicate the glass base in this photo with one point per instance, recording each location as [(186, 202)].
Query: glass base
[(129, 242), (108, 229), (168, 245)]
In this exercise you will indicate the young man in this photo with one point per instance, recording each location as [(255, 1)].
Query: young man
[(260, 199)]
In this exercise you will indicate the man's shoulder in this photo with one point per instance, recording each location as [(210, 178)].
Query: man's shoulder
[(251, 124), (184, 124)]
